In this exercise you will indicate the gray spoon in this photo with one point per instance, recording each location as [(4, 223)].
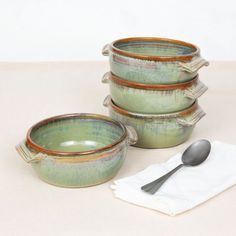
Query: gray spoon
[(194, 155)]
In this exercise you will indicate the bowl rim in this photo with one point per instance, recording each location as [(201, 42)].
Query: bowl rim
[(30, 143), (185, 57), (161, 87), (184, 112)]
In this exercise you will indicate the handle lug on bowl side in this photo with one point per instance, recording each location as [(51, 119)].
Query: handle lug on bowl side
[(194, 65), (133, 137), (195, 117), (196, 90), (27, 155), (105, 50), (107, 101), (105, 78)]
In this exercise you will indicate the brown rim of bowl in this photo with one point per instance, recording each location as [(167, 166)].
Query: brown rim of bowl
[(187, 111), (38, 148), (186, 57), (136, 85)]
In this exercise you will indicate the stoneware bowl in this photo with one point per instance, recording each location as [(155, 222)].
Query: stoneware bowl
[(158, 131), (77, 150), (154, 60), (155, 98)]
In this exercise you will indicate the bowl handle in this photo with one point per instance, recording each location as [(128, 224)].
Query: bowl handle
[(105, 50), (196, 90), (27, 155), (133, 137), (194, 118), (194, 65), (107, 101), (105, 78)]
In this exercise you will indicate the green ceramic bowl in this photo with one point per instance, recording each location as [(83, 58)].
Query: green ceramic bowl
[(154, 60), (77, 150), (158, 131), (155, 98)]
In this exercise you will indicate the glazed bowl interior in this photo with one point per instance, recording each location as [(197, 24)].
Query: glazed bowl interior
[(76, 134), (152, 47)]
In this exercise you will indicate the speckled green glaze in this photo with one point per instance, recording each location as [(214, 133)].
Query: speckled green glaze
[(155, 101), (166, 69), (91, 150), (158, 131), (81, 174)]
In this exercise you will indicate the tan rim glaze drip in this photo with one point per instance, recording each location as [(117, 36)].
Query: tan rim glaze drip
[(38, 148), (132, 84), (186, 57), (151, 116)]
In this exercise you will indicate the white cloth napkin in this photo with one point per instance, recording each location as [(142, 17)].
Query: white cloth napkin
[(188, 187)]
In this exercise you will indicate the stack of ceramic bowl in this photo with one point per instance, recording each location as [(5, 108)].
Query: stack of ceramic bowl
[(154, 87)]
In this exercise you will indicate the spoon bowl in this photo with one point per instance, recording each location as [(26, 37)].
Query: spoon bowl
[(196, 153)]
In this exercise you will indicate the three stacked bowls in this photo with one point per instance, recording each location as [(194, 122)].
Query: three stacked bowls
[(154, 88)]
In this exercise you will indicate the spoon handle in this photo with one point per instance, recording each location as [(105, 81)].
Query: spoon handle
[(153, 186)]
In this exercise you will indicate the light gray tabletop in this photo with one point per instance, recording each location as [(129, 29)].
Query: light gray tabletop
[(30, 92)]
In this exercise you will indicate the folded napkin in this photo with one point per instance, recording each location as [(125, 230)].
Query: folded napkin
[(188, 187)]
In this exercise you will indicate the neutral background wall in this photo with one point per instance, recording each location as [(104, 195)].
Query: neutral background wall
[(62, 30)]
